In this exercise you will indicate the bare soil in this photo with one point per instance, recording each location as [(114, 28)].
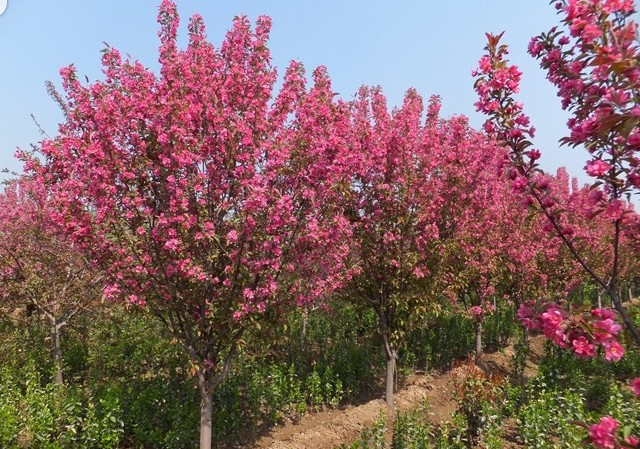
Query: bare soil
[(327, 429)]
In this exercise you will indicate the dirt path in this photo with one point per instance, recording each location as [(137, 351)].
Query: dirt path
[(324, 430), (331, 428)]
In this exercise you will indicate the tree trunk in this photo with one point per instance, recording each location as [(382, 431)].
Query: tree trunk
[(206, 412), (392, 357), (599, 300), (57, 351), (303, 335), (628, 322), (478, 329), (520, 357)]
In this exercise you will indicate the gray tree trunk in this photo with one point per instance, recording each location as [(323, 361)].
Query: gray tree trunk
[(478, 329), (390, 380), (303, 335), (599, 300), (56, 329), (206, 413)]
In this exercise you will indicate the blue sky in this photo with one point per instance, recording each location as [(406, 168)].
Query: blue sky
[(431, 46)]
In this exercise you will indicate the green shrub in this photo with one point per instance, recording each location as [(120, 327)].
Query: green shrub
[(412, 431), (373, 437), (49, 416), (547, 421)]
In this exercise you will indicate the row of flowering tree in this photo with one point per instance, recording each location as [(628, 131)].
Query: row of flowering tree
[(41, 270), (208, 197), (433, 220), (594, 63)]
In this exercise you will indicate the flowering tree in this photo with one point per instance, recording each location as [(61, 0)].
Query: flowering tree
[(476, 259), (595, 68), (412, 182), (206, 198), (471, 259), (598, 82), (39, 266), (504, 254)]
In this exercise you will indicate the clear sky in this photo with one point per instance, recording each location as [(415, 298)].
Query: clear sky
[(430, 45)]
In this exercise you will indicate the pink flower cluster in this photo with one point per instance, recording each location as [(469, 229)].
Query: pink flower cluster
[(603, 435), (205, 192), (580, 333), (496, 83), (635, 385), (595, 68), (478, 312)]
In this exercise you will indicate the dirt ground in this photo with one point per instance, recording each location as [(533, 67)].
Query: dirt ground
[(324, 430)]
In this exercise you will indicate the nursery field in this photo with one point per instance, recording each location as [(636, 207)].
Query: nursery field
[(218, 254), (127, 388)]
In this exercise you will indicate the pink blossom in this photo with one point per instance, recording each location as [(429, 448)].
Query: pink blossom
[(613, 6), (595, 196), (597, 168), (615, 209), (635, 385), (605, 314), (172, 244), (632, 441), (634, 140), (524, 311), (418, 272), (590, 32), (232, 236), (613, 351), (606, 329), (582, 347), (548, 202), (603, 434), (476, 311), (552, 318), (558, 336), (535, 47), (519, 184)]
